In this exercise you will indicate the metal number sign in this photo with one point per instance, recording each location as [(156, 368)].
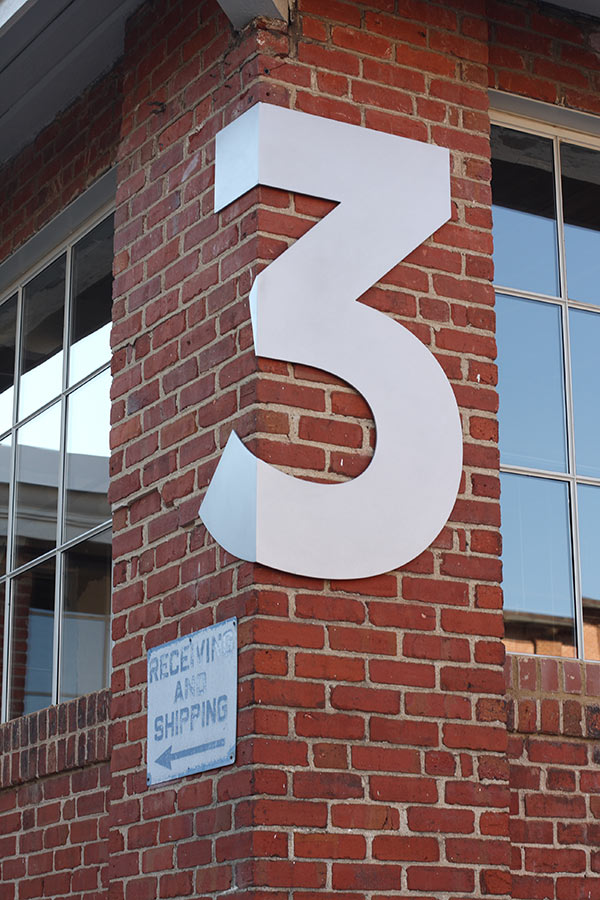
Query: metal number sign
[(393, 193)]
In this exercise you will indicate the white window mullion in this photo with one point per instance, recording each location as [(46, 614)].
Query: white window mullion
[(8, 604), (573, 506), (59, 578)]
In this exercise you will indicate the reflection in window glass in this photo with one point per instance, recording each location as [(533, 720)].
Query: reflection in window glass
[(42, 340), (2, 615), (8, 330), (85, 653), (588, 497), (38, 445), (525, 239), (581, 204), (5, 462), (531, 384), (32, 639), (585, 341), (92, 301), (549, 389), (55, 357), (88, 426), (537, 567)]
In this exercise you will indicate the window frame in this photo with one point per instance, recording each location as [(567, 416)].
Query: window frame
[(580, 129), (57, 238)]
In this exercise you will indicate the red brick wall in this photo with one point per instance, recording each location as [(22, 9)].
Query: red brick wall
[(554, 718), (387, 688), (553, 704), (63, 160), (180, 341), (371, 753), (546, 55), (54, 783), (54, 765), (372, 733)]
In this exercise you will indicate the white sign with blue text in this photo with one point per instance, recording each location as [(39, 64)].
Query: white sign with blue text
[(192, 703)]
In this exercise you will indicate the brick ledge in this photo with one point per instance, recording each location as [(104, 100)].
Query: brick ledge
[(553, 696), (53, 740)]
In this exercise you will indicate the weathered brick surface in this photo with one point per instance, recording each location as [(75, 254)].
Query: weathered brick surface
[(554, 717), (63, 160), (553, 704), (54, 764), (371, 756), (373, 747), (54, 784), (547, 56), (182, 356)]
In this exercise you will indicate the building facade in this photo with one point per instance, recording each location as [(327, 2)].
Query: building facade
[(387, 742)]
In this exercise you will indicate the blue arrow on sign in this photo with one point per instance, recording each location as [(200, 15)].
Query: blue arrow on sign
[(168, 756)]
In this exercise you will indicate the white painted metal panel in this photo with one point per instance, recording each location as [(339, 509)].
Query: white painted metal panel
[(393, 194), (12, 10), (589, 7)]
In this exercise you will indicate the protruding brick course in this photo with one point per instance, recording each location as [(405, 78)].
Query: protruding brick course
[(553, 718), (55, 779)]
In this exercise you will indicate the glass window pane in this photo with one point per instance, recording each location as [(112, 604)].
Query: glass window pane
[(38, 445), (86, 503), (531, 384), (524, 212), (537, 566), (85, 653), (581, 205), (33, 640), (41, 350), (585, 341), (5, 463), (2, 618), (8, 332), (92, 301), (588, 498)]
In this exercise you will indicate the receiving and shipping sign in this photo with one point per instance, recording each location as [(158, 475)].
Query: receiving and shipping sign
[(192, 703)]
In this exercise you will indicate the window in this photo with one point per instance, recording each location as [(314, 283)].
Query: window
[(55, 538), (546, 196)]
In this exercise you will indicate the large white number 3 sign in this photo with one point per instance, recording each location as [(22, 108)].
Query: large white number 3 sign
[(393, 193)]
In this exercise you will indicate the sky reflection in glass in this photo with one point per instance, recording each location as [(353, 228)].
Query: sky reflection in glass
[(530, 384), (536, 379), (524, 212), (88, 451), (43, 311), (581, 204), (585, 341), (583, 264), (536, 540), (8, 332), (588, 499), (92, 301), (525, 254)]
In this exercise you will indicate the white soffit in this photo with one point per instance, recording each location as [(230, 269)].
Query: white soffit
[(50, 50), (11, 11), (589, 7), (240, 12)]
